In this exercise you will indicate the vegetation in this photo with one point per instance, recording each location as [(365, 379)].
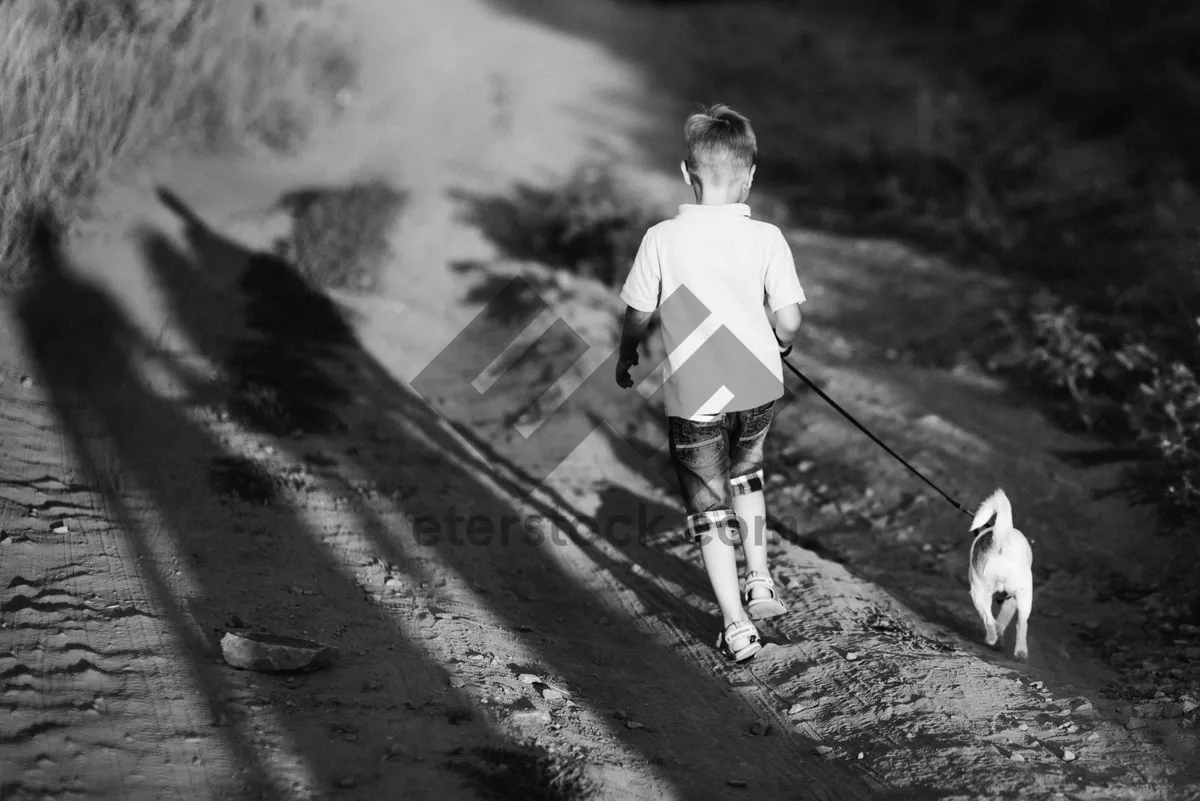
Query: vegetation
[(86, 84), (1052, 145)]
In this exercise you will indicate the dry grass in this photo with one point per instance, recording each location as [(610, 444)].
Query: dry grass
[(86, 84)]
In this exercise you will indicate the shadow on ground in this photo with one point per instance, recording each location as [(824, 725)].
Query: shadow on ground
[(290, 371)]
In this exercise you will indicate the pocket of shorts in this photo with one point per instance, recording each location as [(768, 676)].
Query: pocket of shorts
[(757, 422), (696, 445)]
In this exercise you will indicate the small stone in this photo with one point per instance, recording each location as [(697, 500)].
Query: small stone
[(347, 783), (1037, 685), (795, 709), (550, 694), (529, 678), (1017, 756), (850, 657), (1188, 705), (823, 751), (1136, 723), (633, 724), (1023, 727), (861, 755), (760, 728), (392, 581), (536, 716), (1068, 755), (26, 381), (457, 683)]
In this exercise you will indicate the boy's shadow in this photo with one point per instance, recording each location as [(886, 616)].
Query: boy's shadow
[(298, 351)]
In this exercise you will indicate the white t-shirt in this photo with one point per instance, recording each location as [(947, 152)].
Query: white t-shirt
[(710, 271)]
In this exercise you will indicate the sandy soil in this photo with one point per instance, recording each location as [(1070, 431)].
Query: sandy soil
[(144, 512)]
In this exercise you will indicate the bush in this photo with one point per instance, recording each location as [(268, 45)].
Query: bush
[(87, 83), (588, 224)]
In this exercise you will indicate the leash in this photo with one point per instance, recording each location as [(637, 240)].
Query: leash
[(874, 438)]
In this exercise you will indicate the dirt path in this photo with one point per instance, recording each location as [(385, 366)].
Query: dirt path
[(149, 502)]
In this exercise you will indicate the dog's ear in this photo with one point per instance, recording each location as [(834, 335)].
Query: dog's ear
[(991, 521)]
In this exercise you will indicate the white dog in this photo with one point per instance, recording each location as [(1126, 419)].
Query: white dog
[(1001, 564)]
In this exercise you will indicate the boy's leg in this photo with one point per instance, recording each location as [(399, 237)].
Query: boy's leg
[(747, 443), (700, 452)]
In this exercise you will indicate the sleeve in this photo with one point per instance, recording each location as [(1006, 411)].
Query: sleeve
[(643, 285), (782, 285)]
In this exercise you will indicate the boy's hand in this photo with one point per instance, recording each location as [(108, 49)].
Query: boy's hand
[(624, 380)]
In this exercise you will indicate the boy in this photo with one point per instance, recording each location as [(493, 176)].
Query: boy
[(719, 406)]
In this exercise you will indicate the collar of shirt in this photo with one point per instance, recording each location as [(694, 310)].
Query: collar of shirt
[(736, 209)]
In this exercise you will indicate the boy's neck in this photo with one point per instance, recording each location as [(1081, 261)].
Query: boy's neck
[(718, 196), (718, 192)]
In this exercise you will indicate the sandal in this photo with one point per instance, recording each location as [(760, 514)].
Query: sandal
[(743, 632), (769, 606)]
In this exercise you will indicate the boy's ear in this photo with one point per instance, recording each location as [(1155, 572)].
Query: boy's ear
[(687, 177)]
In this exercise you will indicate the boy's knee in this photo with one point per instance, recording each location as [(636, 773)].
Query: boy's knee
[(747, 483), (720, 523)]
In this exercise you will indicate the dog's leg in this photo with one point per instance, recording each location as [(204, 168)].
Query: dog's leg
[(1024, 607), (982, 599), (1007, 608)]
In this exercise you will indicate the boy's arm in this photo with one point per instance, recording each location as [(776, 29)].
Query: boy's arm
[(641, 294), (787, 325), (784, 293), (633, 328)]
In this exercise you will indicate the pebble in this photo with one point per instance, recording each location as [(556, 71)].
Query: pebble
[(795, 709), (1188, 705), (633, 724), (457, 683), (551, 694), (529, 678), (532, 716), (823, 751), (850, 657), (1017, 756), (1068, 755)]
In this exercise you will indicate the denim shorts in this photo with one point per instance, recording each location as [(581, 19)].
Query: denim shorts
[(717, 461)]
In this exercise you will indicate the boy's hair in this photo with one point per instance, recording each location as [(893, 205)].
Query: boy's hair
[(720, 142)]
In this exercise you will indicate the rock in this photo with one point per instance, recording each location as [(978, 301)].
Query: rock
[(457, 683), (795, 709), (535, 716), (274, 653), (760, 728), (26, 381), (1148, 711), (1136, 723), (1188, 705), (850, 657), (1171, 710), (1017, 756), (529, 678), (633, 724), (823, 751), (551, 694), (1068, 755)]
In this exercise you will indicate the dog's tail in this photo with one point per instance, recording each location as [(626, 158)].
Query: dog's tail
[(997, 506)]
